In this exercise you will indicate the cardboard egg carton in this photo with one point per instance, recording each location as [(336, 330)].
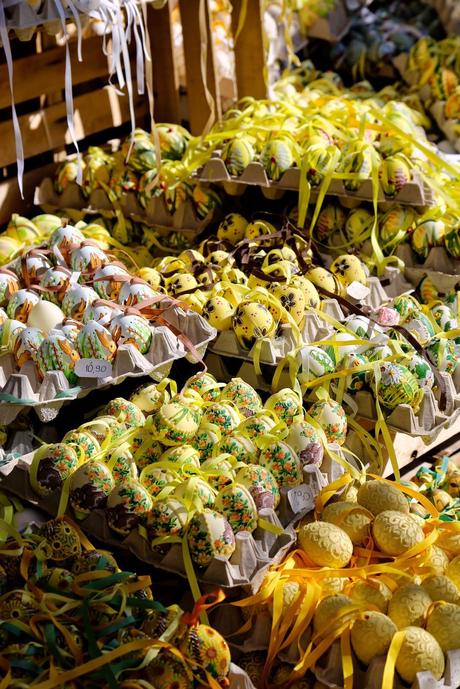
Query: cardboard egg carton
[(448, 127), (23, 388), (184, 219), (415, 192), (440, 267), (254, 552), (334, 26)]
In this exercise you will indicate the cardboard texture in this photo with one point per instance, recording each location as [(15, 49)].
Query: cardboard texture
[(24, 389), (443, 269), (254, 553), (448, 127), (156, 215), (413, 193)]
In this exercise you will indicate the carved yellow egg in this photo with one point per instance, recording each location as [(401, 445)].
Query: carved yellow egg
[(371, 591), (327, 610), (444, 624), (378, 496), (327, 545), (440, 587), (394, 532), (371, 635), (420, 652), (408, 606), (352, 518)]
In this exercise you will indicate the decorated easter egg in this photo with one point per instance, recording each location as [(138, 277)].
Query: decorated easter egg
[(76, 299), (398, 386), (371, 591), (219, 470), (87, 444), (87, 258), (348, 268), (135, 291), (277, 156), (394, 173), (70, 329), (251, 322), (205, 385), (90, 485), (420, 652), (242, 448), (444, 317), (283, 463), (31, 265), (209, 534), (453, 570), (61, 540), (168, 517), (209, 652), (444, 623), (356, 226), (127, 505), (55, 281), (219, 313), (106, 283), (371, 635), (237, 154), (306, 442), (182, 454), (9, 330), (354, 519), (395, 532), (125, 412), (328, 609), (291, 298), (237, 505), (261, 484), (27, 345), (327, 545), (286, 404), (394, 224), (257, 425), (101, 311), (422, 370), (131, 329), (316, 362), (260, 228), (426, 235), (56, 353), (148, 398), (452, 242), (181, 282), (224, 415), (52, 464), (232, 228), (95, 341), (20, 304), (379, 496), (442, 354), (195, 488), (310, 293), (167, 670), (407, 307), (94, 560), (65, 239), (331, 219), (154, 479), (9, 284), (440, 587), (176, 422), (146, 450), (243, 396), (332, 418), (355, 381), (151, 276), (205, 440), (324, 279)]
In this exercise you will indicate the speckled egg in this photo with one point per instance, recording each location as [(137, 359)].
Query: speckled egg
[(371, 635), (224, 415), (283, 463), (131, 329), (20, 304), (347, 269), (168, 517), (420, 652), (306, 442), (56, 353), (316, 362), (219, 313), (260, 228), (354, 519), (286, 404), (261, 484), (176, 422), (324, 279), (52, 465), (394, 532), (251, 322), (90, 485), (422, 370), (106, 283), (27, 344), (76, 299), (243, 395), (379, 496), (327, 545), (209, 534), (332, 418), (310, 293), (180, 282), (291, 298), (232, 228), (127, 505), (94, 341)]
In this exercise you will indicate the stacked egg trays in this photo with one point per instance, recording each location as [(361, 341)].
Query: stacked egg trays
[(143, 347)]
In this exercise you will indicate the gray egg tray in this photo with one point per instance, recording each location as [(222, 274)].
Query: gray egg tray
[(440, 267)]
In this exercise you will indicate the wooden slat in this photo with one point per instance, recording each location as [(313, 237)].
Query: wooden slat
[(10, 197), (47, 130), (41, 73), (198, 108), (249, 50), (166, 88)]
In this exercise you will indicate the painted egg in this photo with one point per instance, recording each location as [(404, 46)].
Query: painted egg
[(9, 330), (55, 281), (361, 326), (242, 448), (182, 455), (205, 441), (283, 463), (426, 235), (167, 670), (291, 298), (204, 199), (62, 540), (65, 239), (352, 518), (135, 292), (125, 412), (145, 450), (176, 423), (407, 307), (394, 173), (70, 329), (331, 219), (219, 313), (442, 354), (257, 425), (224, 415), (191, 257), (94, 341), (209, 652), (168, 517), (9, 284), (310, 293), (316, 362), (261, 484), (181, 282), (31, 265), (348, 268), (260, 228), (277, 156), (306, 442), (106, 429), (286, 404), (327, 545), (151, 276), (54, 463), (87, 258), (20, 304), (379, 496), (131, 329), (443, 623), (344, 343), (101, 312), (243, 395), (232, 228), (324, 279), (209, 535), (121, 463), (90, 485), (86, 442), (149, 398), (205, 385), (452, 242), (444, 317), (220, 258), (127, 505), (421, 369), (154, 479), (237, 154), (56, 353), (421, 328), (398, 386), (219, 470), (379, 352), (395, 222), (194, 488), (94, 560), (76, 299), (106, 283), (357, 226), (355, 381), (237, 505), (236, 277), (252, 322), (27, 345), (332, 418)]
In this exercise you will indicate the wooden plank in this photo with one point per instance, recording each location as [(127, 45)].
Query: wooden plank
[(47, 130), (41, 73), (249, 50), (165, 84), (10, 197), (198, 107)]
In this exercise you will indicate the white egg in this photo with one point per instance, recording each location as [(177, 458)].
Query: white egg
[(45, 315)]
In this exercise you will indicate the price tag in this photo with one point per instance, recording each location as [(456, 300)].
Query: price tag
[(93, 368), (301, 498)]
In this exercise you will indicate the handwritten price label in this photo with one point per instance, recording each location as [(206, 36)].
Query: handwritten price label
[(93, 368), (301, 498)]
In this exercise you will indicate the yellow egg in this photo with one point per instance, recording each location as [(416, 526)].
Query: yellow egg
[(193, 301), (352, 518), (408, 606), (444, 624), (332, 585), (371, 635), (328, 608), (291, 298), (232, 228), (453, 570), (371, 592), (437, 559), (420, 652), (450, 542), (260, 228), (251, 322), (440, 587), (291, 590), (378, 496), (151, 276), (326, 544), (324, 279), (191, 257), (347, 269), (180, 282), (219, 313), (394, 532), (309, 290)]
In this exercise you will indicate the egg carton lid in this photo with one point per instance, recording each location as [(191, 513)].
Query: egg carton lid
[(254, 553), (415, 192), (155, 215)]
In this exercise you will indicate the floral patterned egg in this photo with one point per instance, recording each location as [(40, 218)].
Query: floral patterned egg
[(135, 292), (362, 327), (106, 429), (286, 404), (426, 235), (205, 385), (281, 460), (251, 322), (176, 422), (94, 341), (324, 279), (9, 284), (442, 354), (180, 282), (127, 505), (168, 671), (242, 448), (242, 395), (131, 329), (237, 505), (332, 418), (76, 299), (194, 488), (305, 441), (355, 381), (406, 306), (444, 317), (316, 362), (145, 450), (86, 442), (398, 386), (125, 412), (95, 560), (421, 370), (257, 425), (65, 239), (219, 313), (55, 282), (121, 463), (348, 268), (27, 345), (90, 486), (291, 298), (379, 352), (148, 398), (421, 328), (20, 304), (101, 312), (168, 517), (261, 484), (56, 353), (209, 650), (154, 479), (61, 541), (232, 228), (182, 455), (223, 415), (54, 463), (87, 258), (219, 470), (209, 534), (206, 438)]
